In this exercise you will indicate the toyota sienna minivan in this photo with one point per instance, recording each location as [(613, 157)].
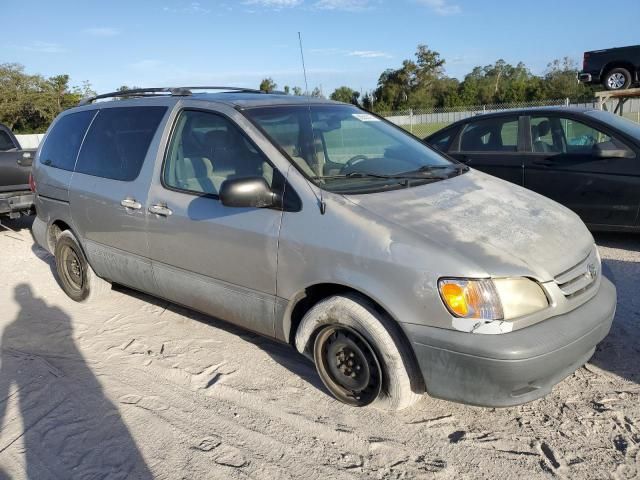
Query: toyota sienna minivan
[(397, 270)]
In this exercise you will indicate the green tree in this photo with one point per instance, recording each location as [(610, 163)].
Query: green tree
[(560, 81), (287, 90), (346, 95), (416, 84), (297, 91), (29, 103), (268, 85)]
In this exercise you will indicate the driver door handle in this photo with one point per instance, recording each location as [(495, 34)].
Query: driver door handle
[(159, 209), (546, 162)]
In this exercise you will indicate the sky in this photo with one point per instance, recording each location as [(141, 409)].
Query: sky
[(346, 42)]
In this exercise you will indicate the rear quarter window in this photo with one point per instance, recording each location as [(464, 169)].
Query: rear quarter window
[(117, 142), (61, 146)]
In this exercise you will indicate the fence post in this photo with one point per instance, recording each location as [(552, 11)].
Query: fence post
[(411, 120), (566, 101)]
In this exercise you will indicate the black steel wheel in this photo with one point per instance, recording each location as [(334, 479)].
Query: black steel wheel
[(71, 269), (347, 365), (75, 275)]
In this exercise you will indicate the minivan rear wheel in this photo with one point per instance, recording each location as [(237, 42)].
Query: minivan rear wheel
[(75, 275), (347, 331)]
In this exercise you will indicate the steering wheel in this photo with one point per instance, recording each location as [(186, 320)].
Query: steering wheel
[(354, 160)]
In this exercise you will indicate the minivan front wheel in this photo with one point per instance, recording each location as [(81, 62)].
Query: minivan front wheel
[(347, 365), (359, 355), (75, 275)]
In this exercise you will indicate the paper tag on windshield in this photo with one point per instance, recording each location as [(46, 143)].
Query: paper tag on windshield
[(365, 117)]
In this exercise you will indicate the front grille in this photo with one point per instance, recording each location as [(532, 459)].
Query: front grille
[(580, 278)]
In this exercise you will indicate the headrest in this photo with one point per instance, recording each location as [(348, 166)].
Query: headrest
[(544, 127)]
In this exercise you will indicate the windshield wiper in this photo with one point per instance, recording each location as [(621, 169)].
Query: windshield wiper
[(399, 176), (460, 168)]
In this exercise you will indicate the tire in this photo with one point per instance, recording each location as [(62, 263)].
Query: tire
[(348, 320), (74, 274), (617, 79)]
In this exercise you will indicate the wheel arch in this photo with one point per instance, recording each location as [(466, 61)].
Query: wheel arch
[(620, 64), (53, 232), (307, 298)]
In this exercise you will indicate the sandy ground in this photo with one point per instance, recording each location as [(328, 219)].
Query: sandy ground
[(131, 387)]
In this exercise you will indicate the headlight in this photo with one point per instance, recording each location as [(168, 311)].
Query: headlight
[(486, 299)]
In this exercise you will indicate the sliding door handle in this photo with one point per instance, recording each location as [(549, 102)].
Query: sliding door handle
[(131, 203), (161, 210)]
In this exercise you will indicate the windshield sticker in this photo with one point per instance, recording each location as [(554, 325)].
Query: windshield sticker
[(365, 117)]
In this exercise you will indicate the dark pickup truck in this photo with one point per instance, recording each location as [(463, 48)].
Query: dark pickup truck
[(16, 198), (614, 68)]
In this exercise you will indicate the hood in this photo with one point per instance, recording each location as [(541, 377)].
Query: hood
[(502, 228)]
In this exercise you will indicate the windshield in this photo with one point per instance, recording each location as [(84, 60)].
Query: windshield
[(625, 125), (342, 148)]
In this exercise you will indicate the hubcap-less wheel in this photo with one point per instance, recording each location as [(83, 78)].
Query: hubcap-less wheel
[(616, 81), (347, 365), (72, 269)]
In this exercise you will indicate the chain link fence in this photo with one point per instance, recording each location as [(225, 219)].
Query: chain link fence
[(424, 122)]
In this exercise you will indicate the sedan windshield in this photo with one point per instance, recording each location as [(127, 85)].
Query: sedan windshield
[(627, 126), (344, 149)]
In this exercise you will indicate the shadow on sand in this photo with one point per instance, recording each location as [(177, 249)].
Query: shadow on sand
[(68, 428)]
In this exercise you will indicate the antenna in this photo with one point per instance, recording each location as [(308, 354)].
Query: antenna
[(304, 68), (321, 203)]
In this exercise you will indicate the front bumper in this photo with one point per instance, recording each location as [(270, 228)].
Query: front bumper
[(15, 202), (512, 368)]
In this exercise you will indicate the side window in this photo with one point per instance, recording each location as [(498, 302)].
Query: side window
[(566, 135), (5, 141), (62, 143), (546, 135), (205, 150), (117, 142), (441, 140), (491, 135)]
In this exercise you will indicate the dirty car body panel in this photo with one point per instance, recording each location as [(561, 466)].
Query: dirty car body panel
[(393, 244)]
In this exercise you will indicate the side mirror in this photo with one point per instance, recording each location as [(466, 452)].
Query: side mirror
[(247, 192), (611, 150)]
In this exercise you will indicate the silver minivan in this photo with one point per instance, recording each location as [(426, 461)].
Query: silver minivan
[(397, 270)]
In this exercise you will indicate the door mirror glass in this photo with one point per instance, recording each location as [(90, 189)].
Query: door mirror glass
[(611, 150), (248, 192)]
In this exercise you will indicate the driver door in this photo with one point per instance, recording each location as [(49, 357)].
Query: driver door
[(562, 164)]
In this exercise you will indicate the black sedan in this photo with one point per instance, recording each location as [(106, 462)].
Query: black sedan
[(587, 160)]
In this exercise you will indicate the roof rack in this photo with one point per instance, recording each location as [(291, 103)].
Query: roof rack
[(162, 91)]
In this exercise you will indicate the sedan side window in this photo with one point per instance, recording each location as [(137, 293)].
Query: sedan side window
[(569, 136), (205, 150), (491, 135)]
